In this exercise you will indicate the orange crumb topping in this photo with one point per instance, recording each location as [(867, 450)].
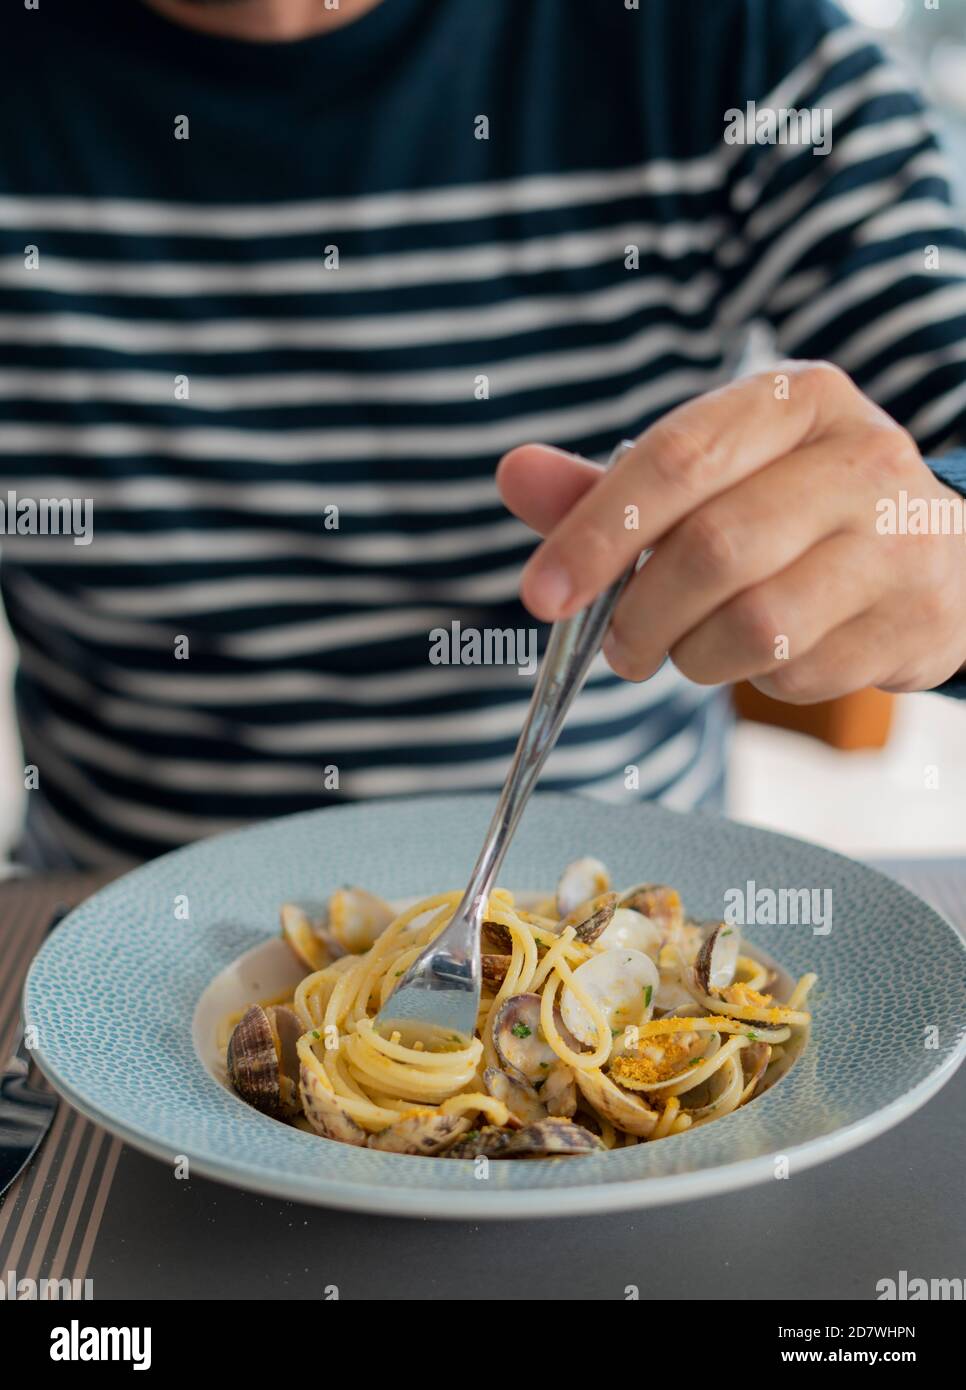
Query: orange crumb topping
[(656, 1063), (741, 994)]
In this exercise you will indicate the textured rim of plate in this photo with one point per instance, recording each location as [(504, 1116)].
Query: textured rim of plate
[(473, 1203)]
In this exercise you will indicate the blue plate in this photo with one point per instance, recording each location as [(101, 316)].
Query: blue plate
[(115, 991)]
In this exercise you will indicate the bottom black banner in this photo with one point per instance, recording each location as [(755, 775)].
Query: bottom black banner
[(164, 1338)]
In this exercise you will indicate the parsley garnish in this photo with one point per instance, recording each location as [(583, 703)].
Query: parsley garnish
[(648, 991), (520, 1030)]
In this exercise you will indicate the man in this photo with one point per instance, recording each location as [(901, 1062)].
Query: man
[(283, 280)]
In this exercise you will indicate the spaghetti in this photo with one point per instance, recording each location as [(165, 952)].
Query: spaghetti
[(605, 1020)]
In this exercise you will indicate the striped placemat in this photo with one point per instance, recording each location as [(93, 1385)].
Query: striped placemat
[(49, 1218)]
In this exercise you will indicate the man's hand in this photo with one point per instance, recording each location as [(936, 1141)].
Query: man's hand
[(761, 507)]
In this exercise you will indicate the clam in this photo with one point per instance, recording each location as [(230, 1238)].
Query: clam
[(624, 1111), (498, 936), (656, 901), (628, 927), (516, 1093), (716, 962), (358, 918), (263, 1061), (313, 946), (488, 1142), (494, 968), (325, 1113), (548, 1138), (518, 1038), (420, 1132), (581, 880), (559, 1092), (754, 1063), (621, 982), (673, 998), (591, 917)]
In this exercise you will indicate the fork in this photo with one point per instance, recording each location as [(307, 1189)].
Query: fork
[(438, 998)]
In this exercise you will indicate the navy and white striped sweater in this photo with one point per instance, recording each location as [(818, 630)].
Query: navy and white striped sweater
[(333, 262)]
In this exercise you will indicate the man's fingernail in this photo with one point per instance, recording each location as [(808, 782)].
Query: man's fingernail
[(550, 589)]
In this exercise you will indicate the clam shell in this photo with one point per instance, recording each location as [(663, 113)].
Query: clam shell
[(311, 944), (488, 1142), (498, 936), (657, 901), (717, 960), (423, 1132), (549, 1138), (559, 1092), (624, 1111), (494, 968), (519, 1040), (622, 983), (358, 918), (591, 918), (580, 881), (325, 1114), (516, 1093), (253, 1062), (754, 1063)]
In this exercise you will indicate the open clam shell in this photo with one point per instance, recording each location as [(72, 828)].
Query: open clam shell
[(624, 1111), (658, 902), (262, 1060), (518, 1037), (311, 943), (621, 982), (515, 1091), (358, 918), (591, 918), (580, 881), (716, 962)]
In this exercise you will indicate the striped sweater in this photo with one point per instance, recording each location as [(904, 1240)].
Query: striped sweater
[(274, 312)]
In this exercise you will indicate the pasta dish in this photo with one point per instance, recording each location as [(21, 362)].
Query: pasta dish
[(607, 1019)]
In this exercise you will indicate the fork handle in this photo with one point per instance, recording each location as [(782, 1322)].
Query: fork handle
[(572, 646)]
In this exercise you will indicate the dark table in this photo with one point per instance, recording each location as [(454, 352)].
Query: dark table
[(92, 1207)]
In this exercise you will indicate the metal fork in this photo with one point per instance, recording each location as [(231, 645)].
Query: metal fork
[(438, 998)]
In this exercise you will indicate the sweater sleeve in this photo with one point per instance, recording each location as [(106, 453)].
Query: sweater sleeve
[(857, 255)]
